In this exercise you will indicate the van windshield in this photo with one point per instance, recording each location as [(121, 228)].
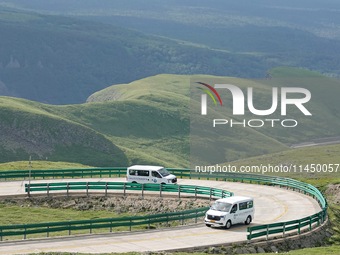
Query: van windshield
[(164, 172), (220, 206)]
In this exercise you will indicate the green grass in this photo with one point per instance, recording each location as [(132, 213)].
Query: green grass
[(331, 250), (39, 164), (12, 214), (25, 215), (329, 154)]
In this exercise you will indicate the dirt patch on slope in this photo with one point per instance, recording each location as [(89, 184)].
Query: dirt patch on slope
[(333, 193), (128, 204)]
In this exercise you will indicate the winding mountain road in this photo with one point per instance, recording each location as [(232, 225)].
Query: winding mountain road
[(272, 204)]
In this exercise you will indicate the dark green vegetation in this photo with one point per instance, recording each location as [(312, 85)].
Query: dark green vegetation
[(147, 121), (58, 59), (63, 59)]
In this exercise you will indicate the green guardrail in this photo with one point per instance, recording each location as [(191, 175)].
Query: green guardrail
[(69, 226), (287, 226), (75, 173), (49, 188), (253, 232), (90, 225)]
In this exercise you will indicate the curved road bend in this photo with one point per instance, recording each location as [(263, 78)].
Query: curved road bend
[(272, 204)]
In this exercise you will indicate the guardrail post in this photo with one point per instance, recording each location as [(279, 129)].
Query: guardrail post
[(310, 222), (143, 190), (249, 235), (267, 234), (130, 224), (48, 232), (299, 227), (29, 190), (110, 226), (48, 189), (90, 228), (195, 192), (179, 191), (69, 229), (87, 189), (124, 189), (67, 188), (210, 194), (1, 235), (160, 190), (106, 189), (284, 230), (25, 233), (196, 213)]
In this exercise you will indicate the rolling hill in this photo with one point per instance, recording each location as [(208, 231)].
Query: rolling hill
[(148, 121)]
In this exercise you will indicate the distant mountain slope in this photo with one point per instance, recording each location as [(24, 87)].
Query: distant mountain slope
[(242, 142), (59, 60), (148, 121), (28, 129)]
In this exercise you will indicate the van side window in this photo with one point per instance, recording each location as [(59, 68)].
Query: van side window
[(243, 206), (233, 209), (156, 174), (246, 205), (132, 172), (143, 173)]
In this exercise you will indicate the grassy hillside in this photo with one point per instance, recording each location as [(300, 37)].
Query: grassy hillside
[(327, 154), (171, 94), (148, 121), (214, 145), (29, 129), (40, 164)]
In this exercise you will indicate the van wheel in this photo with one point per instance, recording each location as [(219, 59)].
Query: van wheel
[(163, 183), (134, 182), (248, 220), (228, 224), (208, 225)]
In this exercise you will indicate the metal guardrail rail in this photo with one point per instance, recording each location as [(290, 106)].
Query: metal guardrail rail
[(90, 225), (69, 226), (126, 186), (253, 231)]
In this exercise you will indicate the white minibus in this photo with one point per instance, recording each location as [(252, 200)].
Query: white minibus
[(149, 174), (231, 210)]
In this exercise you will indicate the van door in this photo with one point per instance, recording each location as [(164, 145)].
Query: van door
[(235, 214), (156, 177)]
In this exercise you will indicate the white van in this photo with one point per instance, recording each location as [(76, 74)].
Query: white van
[(149, 174), (231, 210)]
